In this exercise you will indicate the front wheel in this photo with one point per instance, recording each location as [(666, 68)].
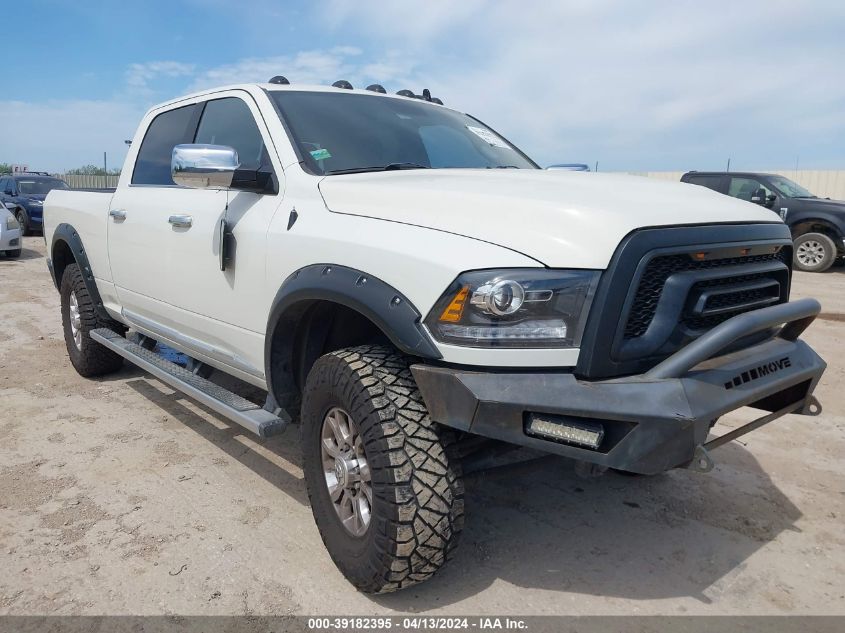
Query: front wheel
[(814, 252), (23, 220), (383, 479)]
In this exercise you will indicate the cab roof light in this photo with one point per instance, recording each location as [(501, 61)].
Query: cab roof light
[(425, 96), (377, 88), (342, 83), (279, 79)]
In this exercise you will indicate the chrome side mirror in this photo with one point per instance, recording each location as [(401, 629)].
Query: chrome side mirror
[(203, 166)]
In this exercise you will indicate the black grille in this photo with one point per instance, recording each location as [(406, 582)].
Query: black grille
[(659, 269), (738, 300)]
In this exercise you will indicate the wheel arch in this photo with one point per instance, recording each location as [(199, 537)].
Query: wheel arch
[(67, 249), (324, 307), (818, 224)]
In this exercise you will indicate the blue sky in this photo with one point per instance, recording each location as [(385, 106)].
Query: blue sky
[(633, 85)]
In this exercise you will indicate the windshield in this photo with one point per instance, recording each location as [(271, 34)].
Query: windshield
[(39, 186), (788, 188), (347, 133)]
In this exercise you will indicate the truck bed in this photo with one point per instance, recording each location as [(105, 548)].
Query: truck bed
[(88, 213)]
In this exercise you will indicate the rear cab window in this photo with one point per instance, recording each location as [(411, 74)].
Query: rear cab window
[(711, 181), (168, 129)]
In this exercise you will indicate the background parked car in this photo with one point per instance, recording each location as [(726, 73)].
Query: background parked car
[(817, 224), (23, 194), (10, 234), (570, 166)]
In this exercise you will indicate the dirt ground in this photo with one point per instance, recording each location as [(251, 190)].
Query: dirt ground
[(118, 496)]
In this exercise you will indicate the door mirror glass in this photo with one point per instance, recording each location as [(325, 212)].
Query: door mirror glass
[(203, 166)]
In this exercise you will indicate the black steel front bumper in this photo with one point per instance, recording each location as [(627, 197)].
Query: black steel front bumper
[(654, 421)]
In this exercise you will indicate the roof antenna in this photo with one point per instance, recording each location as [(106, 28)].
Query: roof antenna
[(342, 83), (278, 79)]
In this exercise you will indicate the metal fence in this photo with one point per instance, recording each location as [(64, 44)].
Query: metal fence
[(823, 183), (84, 181)]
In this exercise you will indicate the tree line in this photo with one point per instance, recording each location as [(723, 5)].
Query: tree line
[(85, 170)]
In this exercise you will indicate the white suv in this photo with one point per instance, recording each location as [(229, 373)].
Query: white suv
[(410, 289)]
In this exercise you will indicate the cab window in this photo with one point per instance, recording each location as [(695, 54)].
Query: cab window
[(746, 188), (710, 181), (230, 122), (168, 129)]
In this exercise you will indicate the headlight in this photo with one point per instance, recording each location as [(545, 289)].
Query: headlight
[(12, 223), (35, 203), (514, 308)]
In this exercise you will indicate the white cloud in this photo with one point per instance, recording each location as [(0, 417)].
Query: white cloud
[(139, 76), (305, 67), (651, 85), (59, 135), (658, 84)]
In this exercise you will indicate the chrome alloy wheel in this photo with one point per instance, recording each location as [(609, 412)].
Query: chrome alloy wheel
[(346, 471), (810, 253), (75, 321)]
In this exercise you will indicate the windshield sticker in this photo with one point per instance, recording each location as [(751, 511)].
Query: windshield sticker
[(488, 137), (320, 154)]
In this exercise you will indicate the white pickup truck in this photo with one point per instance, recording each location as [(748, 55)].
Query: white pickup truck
[(403, 282)]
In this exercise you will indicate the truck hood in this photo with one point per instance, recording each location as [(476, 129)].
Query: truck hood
[(818, 204), (559, 218)]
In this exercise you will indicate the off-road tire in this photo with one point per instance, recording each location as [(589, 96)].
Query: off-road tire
[(92, 359), (825, 242), (418, 497), (13, 254)]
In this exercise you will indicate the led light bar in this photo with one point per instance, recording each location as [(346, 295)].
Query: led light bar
[(565, 430)]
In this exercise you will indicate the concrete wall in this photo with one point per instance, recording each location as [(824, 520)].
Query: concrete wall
[(825, 184)]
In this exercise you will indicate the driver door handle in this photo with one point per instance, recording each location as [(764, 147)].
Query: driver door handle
[(181, 221), (118, 214)]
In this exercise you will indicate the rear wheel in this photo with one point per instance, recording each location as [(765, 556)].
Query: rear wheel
[(383, 479), (79, 317), (814, 252)]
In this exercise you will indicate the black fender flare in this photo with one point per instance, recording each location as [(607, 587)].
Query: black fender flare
[(377, 300), (69, 235), (824, 218)]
